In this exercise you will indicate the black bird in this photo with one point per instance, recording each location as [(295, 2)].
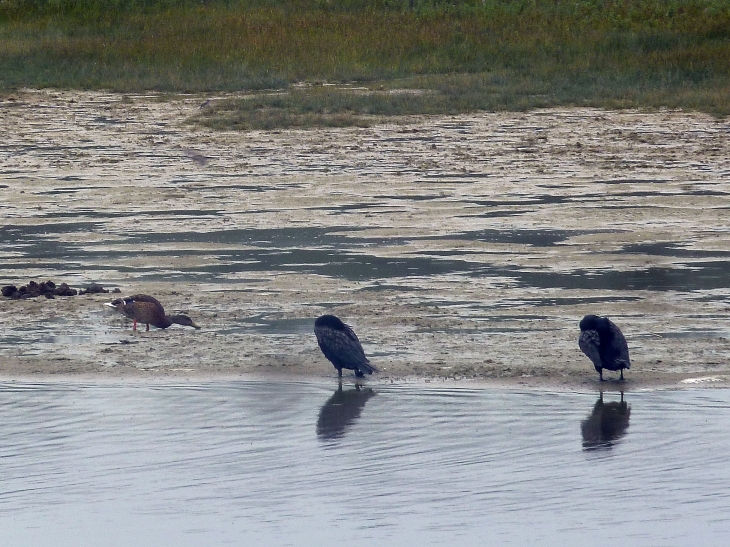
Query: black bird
[(340, 345), (604, 344), (606, 424)]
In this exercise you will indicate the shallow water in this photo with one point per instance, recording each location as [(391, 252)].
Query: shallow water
[(280, 464), (340, 252)]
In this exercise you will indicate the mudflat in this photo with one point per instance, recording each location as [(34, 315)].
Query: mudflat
[(460, 248)]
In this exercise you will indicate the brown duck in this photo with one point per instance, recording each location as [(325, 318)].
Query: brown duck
[(147, 309)]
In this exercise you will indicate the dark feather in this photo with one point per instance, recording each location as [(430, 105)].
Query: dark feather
[(589, 343), (604, 344), (341, 346)]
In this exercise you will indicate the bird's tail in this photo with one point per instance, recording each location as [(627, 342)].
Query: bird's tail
[(368, 368)]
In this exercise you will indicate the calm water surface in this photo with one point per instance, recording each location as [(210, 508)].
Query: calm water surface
[(256, 463)]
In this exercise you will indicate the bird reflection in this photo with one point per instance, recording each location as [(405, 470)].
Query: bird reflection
[(341, 410), (606, 424)]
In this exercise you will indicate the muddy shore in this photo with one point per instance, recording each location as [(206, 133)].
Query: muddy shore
[(463, 248)]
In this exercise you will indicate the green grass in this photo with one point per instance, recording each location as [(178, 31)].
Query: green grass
[(466, 54)]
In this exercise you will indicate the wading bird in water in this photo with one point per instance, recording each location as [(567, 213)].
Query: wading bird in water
[(604, 344), (340, 345), (147, 309)]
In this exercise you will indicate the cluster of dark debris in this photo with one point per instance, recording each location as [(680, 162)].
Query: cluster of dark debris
[(50, 290)]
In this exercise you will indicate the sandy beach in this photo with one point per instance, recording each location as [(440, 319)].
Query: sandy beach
[(461, 249)]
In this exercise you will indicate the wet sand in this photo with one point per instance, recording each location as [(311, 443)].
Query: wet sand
[(461, 248)]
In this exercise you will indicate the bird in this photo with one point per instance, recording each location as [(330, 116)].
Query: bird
[(604, 344), (147, 309), (340, 345)]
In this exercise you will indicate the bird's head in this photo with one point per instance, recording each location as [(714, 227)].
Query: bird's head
[(330, 321), (183, 320), (594, 322), (116, 304)]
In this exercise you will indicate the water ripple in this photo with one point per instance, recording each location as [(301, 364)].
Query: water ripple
[(301, 464)]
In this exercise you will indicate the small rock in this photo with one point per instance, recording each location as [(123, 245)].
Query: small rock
[(34, 289), (64, 290), (94, 288), (9, 290), (47, 288)]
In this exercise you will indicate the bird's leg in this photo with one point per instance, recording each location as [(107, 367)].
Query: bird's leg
[(359, 373), (622, 374), (148, 327), (134, 327), (339, 373), (600, 374)]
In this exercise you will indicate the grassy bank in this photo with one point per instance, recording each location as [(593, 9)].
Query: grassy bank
[(467, 55)]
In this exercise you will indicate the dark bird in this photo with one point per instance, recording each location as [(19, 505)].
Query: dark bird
[(147, 309), (606, 424), (341, 411), (340, 345), (604, 344)]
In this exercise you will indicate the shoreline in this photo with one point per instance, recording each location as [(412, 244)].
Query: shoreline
[(12, 373), (456, 246)]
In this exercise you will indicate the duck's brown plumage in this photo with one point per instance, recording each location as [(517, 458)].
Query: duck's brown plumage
[(148, 310)]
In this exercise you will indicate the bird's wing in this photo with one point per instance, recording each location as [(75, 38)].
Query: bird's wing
[(144, 298), (140, 307), (144, 312), (589, 343), (619, 346), (364, 364), (342, 347)]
